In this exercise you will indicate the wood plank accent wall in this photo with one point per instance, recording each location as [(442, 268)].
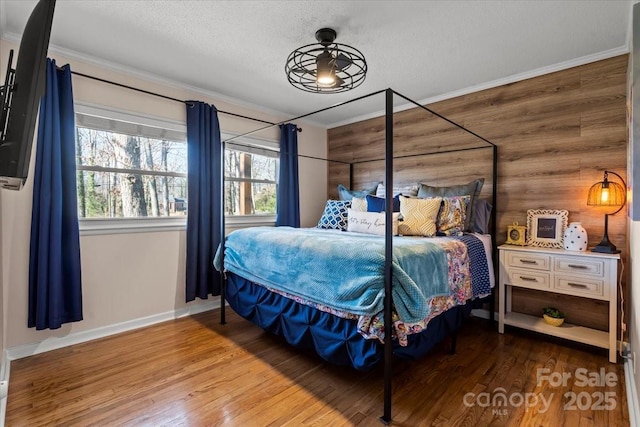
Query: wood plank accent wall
[(556, 134)]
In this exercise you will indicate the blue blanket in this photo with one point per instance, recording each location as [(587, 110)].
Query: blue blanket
[(344, 271)]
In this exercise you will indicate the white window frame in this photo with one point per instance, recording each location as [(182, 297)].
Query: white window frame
[(98, 226), (92, 226), (253, 145)]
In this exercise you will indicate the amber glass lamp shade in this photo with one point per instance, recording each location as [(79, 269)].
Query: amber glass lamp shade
[(607, 193)]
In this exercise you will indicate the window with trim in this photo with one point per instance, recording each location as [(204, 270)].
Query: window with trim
[(251, 168), (131, 166)]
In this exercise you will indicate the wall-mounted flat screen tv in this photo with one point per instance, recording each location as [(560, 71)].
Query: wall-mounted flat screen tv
[(20, 96)]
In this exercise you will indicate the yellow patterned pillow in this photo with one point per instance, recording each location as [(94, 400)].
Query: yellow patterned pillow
[(419, 216)]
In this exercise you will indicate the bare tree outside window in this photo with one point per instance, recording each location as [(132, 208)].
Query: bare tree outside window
[(250, 183), (118, 175), (131, 170)]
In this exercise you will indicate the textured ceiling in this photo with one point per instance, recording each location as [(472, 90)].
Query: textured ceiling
[(423, 49)]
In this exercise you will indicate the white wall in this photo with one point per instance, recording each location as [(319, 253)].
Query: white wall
[(2, 299), (130, 276), (634, 304), (633, 171)]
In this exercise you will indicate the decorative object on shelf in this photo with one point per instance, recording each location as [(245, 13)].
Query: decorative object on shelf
[(553, 316), (546, 227), (516, 234), (326, 67), (607, 193), (575, 237)]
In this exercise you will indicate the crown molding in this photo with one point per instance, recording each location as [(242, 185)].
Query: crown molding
[(153, 78), (495, 83)]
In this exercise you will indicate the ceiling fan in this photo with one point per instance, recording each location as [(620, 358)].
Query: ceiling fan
[(326, 66)]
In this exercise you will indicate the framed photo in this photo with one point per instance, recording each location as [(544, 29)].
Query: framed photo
[(546, 227), (516, 234)]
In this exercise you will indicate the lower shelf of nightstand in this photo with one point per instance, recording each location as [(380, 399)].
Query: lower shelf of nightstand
[(567, 331)]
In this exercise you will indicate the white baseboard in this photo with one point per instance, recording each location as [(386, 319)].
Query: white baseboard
[(632, 392), (4, 380), (49, 344)]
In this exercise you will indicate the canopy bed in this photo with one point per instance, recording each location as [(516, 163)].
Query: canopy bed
[(310, 287)]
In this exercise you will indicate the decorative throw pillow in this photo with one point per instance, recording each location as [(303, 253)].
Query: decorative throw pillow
[(370, 222), (376, 204), (358, 204), (471, 189), (406, 190), (419, 216), (335, 215), (482, 212), (345, 194), (452, 214)]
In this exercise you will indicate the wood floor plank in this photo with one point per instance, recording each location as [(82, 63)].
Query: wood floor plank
[(194, 371)]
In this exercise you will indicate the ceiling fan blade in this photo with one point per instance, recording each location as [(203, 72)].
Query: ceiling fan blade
[(299, 71), (339, 82), (342, 61)]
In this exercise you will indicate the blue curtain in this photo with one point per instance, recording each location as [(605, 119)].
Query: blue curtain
[(288, 197), (55, 285), (204, 148)]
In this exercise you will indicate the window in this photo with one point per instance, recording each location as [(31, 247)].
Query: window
[(251, 168), (129, 167), (132, 167)]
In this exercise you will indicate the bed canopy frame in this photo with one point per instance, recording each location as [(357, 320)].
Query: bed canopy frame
[(388, 182)]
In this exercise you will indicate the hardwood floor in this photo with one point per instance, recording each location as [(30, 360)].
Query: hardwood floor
[(193, 371)]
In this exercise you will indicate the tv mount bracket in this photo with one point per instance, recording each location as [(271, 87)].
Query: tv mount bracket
[(6, 95)]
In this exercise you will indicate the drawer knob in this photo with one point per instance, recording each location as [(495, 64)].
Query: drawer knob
[(528, 279), (577, 285), (581, 267), (528, 261)]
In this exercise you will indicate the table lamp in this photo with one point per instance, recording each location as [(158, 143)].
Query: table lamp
[(607, 193)]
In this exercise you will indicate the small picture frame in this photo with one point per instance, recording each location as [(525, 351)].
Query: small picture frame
[(516, 234), (546, 227)]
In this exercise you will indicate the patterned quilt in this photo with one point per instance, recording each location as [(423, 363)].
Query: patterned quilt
[(431, 275)]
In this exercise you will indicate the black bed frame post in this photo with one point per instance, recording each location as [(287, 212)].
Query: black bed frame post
[(223, 283), (388, 253), (494, 224)]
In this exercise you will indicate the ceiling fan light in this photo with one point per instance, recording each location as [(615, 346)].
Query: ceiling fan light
[(325, 70), (326, 80), (326, 67)]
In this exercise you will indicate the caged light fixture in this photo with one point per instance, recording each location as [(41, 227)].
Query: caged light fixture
[(326, 67)]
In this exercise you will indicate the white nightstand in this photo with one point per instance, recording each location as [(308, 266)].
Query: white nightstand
[(582, 274)]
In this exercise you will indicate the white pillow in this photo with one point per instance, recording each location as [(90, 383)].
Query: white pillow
[(406, 190), (370, 222), (358, 204)]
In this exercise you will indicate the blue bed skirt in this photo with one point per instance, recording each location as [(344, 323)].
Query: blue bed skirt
[(334, 339)]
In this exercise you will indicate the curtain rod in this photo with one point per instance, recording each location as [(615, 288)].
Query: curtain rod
[(168, 97)]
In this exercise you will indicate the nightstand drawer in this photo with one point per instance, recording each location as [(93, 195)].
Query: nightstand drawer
[(580, 286), (529, 278), (579, 266), (529, 260)]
